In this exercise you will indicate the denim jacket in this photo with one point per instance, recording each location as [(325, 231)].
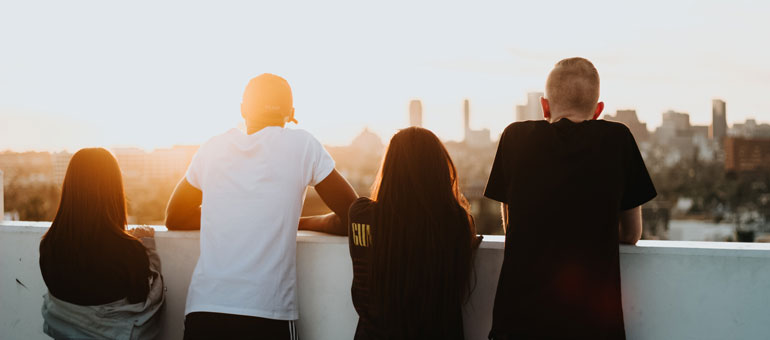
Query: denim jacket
[(118, 320)]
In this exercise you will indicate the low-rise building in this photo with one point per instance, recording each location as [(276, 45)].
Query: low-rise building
[(750, 129), (747, 154)]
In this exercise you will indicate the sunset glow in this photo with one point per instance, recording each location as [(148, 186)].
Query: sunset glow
[(158, 74)]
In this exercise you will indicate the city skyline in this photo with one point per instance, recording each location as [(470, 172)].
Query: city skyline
[(414, 114), (89, 75)]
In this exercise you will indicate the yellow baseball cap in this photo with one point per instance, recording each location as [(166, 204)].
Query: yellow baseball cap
[(269, 95)]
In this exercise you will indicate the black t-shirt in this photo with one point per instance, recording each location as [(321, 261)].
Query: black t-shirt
[(361, 218), (114, 269), (361, 227), (565, 185)]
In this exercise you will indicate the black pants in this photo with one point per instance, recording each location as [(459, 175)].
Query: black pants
[(205, 325)]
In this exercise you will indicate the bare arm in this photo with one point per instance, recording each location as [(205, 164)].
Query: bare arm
[(184, 207), (338, 195), (504, 214), (630, 228)]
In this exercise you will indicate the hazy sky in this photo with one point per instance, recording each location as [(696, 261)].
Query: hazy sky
[(157, 73)]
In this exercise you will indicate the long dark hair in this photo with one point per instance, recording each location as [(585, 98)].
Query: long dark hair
[(92, 209), (422, 244)]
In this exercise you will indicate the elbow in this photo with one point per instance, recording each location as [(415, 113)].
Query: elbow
[(171, 220), (630, 238), (340, 232), (340, 225), (175, 221), (171, 223), (629, 241), (630, 228)]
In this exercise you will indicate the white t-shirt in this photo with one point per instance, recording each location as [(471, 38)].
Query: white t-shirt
[(253, 189)]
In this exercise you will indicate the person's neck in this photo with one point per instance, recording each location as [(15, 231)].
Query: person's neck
[(575, 118), (252, 128)]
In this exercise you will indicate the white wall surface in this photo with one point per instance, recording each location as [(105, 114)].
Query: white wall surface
[(671, 290), (2, 197)]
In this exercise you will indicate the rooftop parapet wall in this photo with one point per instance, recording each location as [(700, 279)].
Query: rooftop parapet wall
[(671, 290), (2, 196)]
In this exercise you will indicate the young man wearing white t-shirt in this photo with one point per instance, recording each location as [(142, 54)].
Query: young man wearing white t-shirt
[(245, 191)]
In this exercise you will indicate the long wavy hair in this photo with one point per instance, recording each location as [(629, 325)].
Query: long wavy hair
[(422, 245), (92, 209)]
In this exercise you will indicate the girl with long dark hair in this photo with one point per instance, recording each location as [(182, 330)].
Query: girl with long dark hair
[(103, 282), (412, 244)]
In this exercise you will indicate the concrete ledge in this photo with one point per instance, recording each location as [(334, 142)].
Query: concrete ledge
[(671, 290)]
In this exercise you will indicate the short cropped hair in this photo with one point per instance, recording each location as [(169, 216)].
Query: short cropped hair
[(573, 85)]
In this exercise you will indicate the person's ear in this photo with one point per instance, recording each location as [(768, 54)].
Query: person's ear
[(290, 117), (599, 109), (546, 108)]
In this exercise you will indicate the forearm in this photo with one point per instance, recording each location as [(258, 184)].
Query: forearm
[(329, 223), (184, 207), (184, 221), (504, 215), (626, 237), (630, 228), (338, 195)]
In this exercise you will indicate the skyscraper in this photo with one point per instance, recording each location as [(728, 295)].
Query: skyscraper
[(718, 120), (473, 138), (466, 117), (415, 113), (532, 109)]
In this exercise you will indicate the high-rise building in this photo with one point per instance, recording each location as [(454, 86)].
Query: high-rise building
[(683, 141), (466, 117), (474, 138), (675, 124), (718, 120), (532, 110), (630, 119), (415, 113), (675, 132)]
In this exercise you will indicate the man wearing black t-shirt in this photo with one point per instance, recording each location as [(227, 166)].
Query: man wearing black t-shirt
[(571, 188)]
